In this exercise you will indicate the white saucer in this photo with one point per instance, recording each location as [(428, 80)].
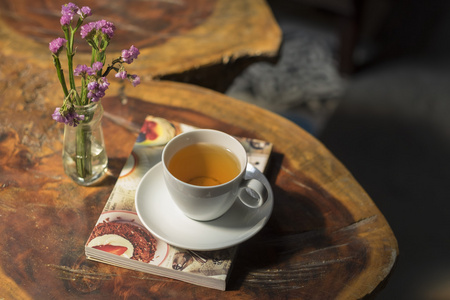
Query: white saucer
[(160, 215)]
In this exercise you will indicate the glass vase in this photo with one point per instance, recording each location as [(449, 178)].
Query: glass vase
[(84, 155)]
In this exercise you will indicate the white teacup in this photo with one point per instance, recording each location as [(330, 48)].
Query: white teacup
[(204, 203)]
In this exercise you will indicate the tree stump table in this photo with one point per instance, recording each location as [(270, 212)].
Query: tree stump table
[(326, 239), (206, 42)]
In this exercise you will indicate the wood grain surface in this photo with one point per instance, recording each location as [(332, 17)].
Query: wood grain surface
[(186, 40), (325, 240)]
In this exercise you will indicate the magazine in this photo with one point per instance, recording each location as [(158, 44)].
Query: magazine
[(119, 238)]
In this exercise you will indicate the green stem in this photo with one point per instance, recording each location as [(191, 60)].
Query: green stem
[(60, 74), (93, 55), (83, 91), (70, 55), (83, 152)]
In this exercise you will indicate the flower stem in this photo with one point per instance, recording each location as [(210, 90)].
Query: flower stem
[(60, 74), (83, 152), (70, 55)]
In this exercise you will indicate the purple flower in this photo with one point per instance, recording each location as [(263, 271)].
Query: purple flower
[(86, 29), (97, 89), (67, 13), (56, 45), (106, 28), (69, 117), (65, 20), (97, 66), (129, 55), (73, 119), (93, 85), (82, 70), (103, 83), (93, 89), (57, 115), (96, 95), (135, 80), (121, 74), (85, 11), (69, 9), (103, 26)]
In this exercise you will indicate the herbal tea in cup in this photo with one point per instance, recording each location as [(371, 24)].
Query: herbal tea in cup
[(204, 164), (204, 173)]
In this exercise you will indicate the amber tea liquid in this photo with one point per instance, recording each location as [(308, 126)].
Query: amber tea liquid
[(204, 164)]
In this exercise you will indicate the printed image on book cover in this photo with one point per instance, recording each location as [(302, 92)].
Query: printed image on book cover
[(119, 238)]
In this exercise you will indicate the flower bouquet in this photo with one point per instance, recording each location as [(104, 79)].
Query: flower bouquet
[(84, 157)]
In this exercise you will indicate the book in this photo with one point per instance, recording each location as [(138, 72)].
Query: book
[(119, 238)]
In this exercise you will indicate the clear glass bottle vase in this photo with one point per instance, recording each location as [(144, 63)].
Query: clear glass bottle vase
[(84, 154)]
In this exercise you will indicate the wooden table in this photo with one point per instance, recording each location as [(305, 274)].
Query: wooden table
[(326, 239), (206, 42)]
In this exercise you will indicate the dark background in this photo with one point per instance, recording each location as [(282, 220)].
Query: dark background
[(387, 121)]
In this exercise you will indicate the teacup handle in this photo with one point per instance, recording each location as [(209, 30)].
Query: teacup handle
[(253, 193)]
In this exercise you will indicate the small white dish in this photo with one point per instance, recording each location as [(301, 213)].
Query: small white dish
[(160, 215)]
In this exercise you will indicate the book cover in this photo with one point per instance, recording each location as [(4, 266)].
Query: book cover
[(119, 237)]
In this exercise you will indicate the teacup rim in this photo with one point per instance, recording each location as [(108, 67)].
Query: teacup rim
[(237, 177)]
